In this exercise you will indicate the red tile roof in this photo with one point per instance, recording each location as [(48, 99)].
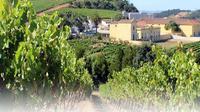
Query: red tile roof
[(165, 21), (123, 21)]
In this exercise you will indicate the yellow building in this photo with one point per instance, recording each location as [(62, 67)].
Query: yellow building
[(189, 27), (124, 30), (128, 30), (148, 33)]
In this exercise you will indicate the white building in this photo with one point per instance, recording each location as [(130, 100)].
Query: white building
[(136, 15)]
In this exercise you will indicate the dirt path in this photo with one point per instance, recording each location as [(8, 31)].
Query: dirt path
[(58, 7), (95, 104)]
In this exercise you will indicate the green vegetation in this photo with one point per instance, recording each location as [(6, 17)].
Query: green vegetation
[(90, 12), (36, 60), (121, 5), (195, 48), (170, 80), (103, 58), (173, 26), (40, 5)]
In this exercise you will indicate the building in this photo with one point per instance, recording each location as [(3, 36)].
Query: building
[(147, 33), (104, 27), (136, 15), (123, 30), (129, 30), (189, 27)]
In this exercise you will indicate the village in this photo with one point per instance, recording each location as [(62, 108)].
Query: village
[(153, 29), (139, 28)]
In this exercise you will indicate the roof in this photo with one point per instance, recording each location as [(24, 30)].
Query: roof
[(125, 21), (165, 21), (141, 24)]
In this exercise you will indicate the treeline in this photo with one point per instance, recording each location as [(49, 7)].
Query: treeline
[(71, 19), (169, 13), (194, 15), (122, 5), (103, 58)]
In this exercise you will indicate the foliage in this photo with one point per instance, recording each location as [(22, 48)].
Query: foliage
[(194, 48), (97, 67), (40, 5), (169, 80), (106, 4), (71, 19), (36, 60), (96, 19), (117, 17), (90, 12), (144, 54), (173, 26), (108, 57)]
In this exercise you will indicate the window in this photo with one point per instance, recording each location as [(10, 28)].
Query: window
[(133, 37)]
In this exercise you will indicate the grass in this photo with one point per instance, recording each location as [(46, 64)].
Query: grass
[(90, 12), (39, 5)]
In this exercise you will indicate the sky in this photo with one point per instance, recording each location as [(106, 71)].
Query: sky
[(159, 5)]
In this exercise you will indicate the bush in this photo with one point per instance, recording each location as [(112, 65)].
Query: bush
[(171, 80), (36, 59)]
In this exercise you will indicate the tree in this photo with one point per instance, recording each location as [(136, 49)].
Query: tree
[(98, 68), (173, 26), (168, 81), (96, 19)]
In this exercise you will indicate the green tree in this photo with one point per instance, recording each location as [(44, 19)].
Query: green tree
[(96, 19), (173, 26), (98, 68), (36, 59), (170, 80)]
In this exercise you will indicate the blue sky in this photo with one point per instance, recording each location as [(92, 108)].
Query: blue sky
[(158, 5)]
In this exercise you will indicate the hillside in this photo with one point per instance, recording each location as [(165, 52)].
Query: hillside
[(40, 5), (168, 13), (104, 8), (89, 12)]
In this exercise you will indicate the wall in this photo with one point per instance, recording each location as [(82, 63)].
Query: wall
[(122, 31), (187, 30), (196, 30), (146, 33), (163, 31)]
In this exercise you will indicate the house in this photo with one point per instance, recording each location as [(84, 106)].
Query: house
[(189, 27), (104, 27), (129, 30), (147, 33), (124, 30), (136, 15)]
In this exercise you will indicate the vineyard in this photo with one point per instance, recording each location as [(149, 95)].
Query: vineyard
[(195, 47), (42, 69)]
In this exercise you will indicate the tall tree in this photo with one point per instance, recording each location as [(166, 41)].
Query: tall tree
[(96, 19)]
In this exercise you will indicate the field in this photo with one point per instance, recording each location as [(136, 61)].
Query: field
[(89, 12), (39, 5)]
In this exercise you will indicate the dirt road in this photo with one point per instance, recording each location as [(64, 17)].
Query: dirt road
[(58, 7)]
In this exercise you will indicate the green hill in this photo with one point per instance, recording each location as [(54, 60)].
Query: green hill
[(89, 12), (40, 5)]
